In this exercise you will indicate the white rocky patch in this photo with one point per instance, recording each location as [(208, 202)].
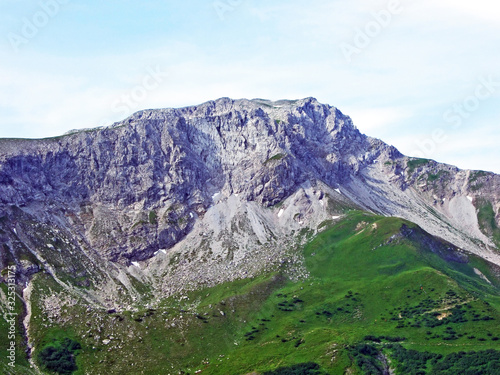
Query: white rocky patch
[(481, 275)]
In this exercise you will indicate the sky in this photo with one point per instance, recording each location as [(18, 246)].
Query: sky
[(423, 75)]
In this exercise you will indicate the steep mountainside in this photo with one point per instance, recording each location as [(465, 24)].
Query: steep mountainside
[(171, 201), (382, 296), (156, 174)]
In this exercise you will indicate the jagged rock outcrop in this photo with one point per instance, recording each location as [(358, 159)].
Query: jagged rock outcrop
[(222, 188), (169, 163)]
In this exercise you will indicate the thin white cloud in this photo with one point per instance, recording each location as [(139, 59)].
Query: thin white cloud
[(482, 9)]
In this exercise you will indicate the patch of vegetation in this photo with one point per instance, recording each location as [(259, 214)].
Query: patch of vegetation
[(434, 177), (384, 338), (415, 163), (309, 368), (366, 357), (153, 218), (474, 176), (59, 358), (137, 224), (476, 187), (413, 362), (278, 205), (487, 220), (483, 362), (276, 157)]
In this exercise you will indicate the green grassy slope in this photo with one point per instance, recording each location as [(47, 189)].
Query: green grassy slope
[(487, 221), (377, 287)]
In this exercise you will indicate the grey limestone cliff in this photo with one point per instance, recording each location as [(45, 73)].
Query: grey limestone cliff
[(203, 194)]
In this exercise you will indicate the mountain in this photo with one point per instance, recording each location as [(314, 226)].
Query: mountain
[(135, 217)]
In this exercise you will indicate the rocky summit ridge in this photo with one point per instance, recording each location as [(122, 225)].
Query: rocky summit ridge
[(178, 198)]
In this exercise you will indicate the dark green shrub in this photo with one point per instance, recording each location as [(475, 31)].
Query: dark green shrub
[(309, 368), (60, 358)]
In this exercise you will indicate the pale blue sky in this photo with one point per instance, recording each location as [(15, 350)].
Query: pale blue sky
[(427, 80)]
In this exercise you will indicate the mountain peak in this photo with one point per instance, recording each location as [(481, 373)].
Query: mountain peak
[(173, 163)]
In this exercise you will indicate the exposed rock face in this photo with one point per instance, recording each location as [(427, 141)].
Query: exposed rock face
[(171, 162), (204, 184)]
